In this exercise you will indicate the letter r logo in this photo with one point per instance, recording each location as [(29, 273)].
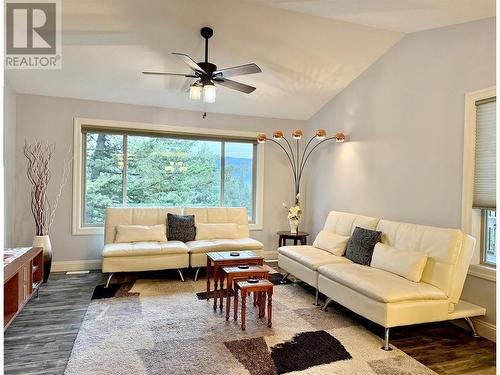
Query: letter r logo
[(31, 28)]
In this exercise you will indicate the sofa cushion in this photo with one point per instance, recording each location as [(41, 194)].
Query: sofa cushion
[(442, 245), (408, 264), (216, 231), (380, 285), (310, 256), (344, 223), (361, 244), (181, 227), (331, 242), (141, 233), (134, 216), (216, 215), (207, 246), (144, 248)]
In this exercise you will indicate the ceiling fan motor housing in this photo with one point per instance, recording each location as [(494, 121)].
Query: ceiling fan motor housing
[(209, 68)]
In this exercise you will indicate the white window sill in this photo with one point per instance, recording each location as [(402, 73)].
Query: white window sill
[(483, 271)]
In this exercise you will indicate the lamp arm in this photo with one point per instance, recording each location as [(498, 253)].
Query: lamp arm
[(289, 159), (291, 153), (305, 150), (309, 154), (297, 183)]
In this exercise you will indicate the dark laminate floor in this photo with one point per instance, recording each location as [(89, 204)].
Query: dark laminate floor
[(57, 315), (443, 346), (40, 339)]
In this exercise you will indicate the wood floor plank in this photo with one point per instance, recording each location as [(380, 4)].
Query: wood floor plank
[(47, 327)]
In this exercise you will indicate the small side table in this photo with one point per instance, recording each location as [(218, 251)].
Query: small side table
[(263, 287), (224, 258), (296, 237), (233, 273)]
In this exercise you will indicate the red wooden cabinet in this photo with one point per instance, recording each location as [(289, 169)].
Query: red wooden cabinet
[(23, 275)]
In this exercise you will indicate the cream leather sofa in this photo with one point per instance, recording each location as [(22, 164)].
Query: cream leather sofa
[(149, 256), (384, 297)]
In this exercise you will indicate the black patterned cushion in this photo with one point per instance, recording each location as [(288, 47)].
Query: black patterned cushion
[(181, 228), (360, 245)]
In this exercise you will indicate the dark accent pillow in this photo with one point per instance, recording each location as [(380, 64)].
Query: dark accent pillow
[(360, 245), (181, 228)]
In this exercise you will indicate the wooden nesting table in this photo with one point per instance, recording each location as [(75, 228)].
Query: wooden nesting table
[(234, 273), (224, 258), (262, 288)]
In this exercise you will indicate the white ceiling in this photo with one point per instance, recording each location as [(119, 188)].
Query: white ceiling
[(305, 59), (406, 16)]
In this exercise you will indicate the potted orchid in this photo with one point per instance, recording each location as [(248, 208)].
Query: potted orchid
[(294, 214)]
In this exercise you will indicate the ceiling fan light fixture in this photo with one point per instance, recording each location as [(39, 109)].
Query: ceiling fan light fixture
[(209, 93), (195, 91)]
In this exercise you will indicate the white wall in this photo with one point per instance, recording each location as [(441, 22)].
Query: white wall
[(51, 118), (9, 149), (405, 116)]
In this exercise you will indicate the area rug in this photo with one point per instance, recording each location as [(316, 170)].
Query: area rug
[(159, 327)]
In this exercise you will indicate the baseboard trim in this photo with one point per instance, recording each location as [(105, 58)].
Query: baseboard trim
[(484, 329), (76, 265)]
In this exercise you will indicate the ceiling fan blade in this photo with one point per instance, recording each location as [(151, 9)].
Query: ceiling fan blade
[(190, 62), (170, 74), (238, 70), (234, 85)]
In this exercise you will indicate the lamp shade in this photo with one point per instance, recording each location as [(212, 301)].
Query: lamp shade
[(195, 92), (297, 134), (320, 134), (209, 93), (340, 137)]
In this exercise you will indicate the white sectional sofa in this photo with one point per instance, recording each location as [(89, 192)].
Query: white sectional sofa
[(161, 255), (383, 297)]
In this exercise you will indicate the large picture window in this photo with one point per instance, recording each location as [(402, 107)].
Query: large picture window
[(134, 168)]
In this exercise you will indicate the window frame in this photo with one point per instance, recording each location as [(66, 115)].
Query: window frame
[(484, 237), (78, 227), (471, 222)]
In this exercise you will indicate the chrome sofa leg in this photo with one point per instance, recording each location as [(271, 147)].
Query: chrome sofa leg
[(109, 280), (316, 299), (196, 274), (284, 278), (470, 323), (327, 302), (386, 346), (180, 274)]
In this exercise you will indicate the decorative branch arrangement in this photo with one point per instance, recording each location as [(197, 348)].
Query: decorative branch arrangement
[(39, 155), (297, 160)]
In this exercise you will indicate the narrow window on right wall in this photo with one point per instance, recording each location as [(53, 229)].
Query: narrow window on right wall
[(485, 177)]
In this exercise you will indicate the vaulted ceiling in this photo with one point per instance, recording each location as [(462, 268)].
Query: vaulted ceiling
[(405, 16), (305, 59)]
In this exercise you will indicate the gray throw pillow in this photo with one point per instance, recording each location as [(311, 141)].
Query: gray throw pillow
[(360, 245), (181, 228)]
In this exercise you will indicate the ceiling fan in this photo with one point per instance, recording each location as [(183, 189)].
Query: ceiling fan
[(207, 75)]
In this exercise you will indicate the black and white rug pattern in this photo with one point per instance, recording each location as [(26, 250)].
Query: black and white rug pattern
[(160, 327)]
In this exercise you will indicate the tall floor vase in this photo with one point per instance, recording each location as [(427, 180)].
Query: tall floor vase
[(44, 242)]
